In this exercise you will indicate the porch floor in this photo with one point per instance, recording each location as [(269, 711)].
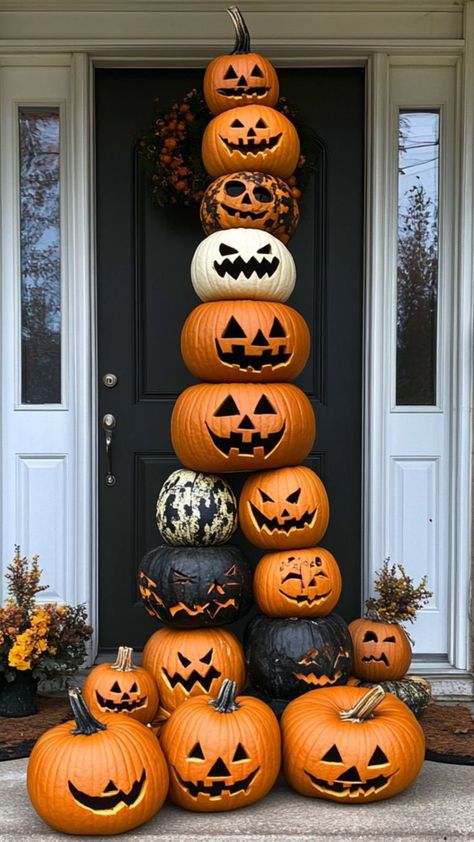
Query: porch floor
[(439, 806)]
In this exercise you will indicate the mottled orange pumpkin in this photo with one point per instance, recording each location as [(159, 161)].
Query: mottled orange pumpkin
[(250, 200), (284, 509), (122, 687), (245, 341), (242, 427), (381, 650), (253, 137), (193, 661), (242, 77), (297, 583)]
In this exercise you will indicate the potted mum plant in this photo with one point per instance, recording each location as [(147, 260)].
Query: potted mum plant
[(37, 640)]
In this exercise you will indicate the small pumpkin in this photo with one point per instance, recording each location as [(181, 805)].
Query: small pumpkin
[(250, 200), (245, 341), (96, 778), (242, 77), (413, 690), (121, 687), (192, 662), (252, 137), (284, 509), (242, 427), (223, 753), (242, 263), (351, 745), (288, 656), (297, 583), (196, 510), (191, 587), (382, 650)]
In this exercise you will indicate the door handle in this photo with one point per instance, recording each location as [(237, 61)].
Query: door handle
[(108, 424)]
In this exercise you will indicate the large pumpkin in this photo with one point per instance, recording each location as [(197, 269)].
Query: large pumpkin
[(250, 200), (287, 657), (242, 77), (100, 778), (191, 587), (188, 663), (284, 509), (122, 687), (350, 745), (242, 427), (252, 137), (297, 583), (222, 753), (242, 263), (382, 651), (195, 509), (245, 341)]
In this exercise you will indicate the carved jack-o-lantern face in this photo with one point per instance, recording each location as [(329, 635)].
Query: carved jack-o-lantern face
[(242, 263), (242, 427), (284, 509), (252, 137), (257, 341), (304, 583), (121, 688), (382, 651), (250, 200)]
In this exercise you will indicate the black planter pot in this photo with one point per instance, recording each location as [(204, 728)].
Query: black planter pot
[(18, 697)]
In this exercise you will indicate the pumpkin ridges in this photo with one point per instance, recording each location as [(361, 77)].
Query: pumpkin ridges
[(102, 676), (268, 583), (400, 651)]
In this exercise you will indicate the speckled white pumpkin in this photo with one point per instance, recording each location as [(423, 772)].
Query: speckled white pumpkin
[(243, 263), (196, 510)]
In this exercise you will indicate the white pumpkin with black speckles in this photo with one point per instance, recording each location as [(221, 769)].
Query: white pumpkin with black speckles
[(195, 509)]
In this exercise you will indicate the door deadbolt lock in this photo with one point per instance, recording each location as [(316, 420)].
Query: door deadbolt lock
[(110, 380)]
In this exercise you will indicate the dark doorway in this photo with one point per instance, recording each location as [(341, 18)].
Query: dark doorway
[(144, 294)]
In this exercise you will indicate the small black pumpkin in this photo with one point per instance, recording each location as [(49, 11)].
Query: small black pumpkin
[(288, 657), (195, 509), (191, 587)]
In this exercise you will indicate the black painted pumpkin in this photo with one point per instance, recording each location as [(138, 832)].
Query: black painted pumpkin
[(196, 510), (287, 657), (191, 587)]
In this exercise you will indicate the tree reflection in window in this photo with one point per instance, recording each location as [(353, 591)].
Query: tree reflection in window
[(40, 256), (417, 275)]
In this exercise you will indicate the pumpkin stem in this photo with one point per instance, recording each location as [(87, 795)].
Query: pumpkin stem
[(225, 702), (124, 661), (364, 708), (86, 723), (242, 35)]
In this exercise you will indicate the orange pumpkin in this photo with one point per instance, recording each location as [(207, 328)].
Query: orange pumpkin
[(122, 688), (193, 661), (242, 427), (350, 745), (284, 509), (222, 753), (297, 583), (242, 77), (245, 341), (253, 137), (101, 778), (381, 650), (250, 200)]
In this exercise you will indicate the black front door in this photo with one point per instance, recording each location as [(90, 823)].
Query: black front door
[(145, 293)]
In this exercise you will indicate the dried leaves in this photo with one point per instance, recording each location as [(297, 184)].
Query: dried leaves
[(398, 599)]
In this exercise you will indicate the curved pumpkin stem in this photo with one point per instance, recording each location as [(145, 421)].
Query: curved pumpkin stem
[(242, 35), (364, 708), (225, 702), (86, 723), (124, 661)]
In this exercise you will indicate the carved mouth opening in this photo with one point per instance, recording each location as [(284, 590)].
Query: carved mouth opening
[(317, 681), (259, 90), (235, 441), (239, 266), (303, 598), (126, 705), (383, 659), (272, 524), (244, 214), (217, 788), (250, 146), (352, 789), (237, 356), (195, 678), (212, 609), (109, 803)]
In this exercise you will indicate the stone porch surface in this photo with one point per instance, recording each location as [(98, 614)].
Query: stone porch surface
[(439, 806)]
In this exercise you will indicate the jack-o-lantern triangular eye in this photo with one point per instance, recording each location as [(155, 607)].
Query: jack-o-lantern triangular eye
[(240, 753), (378, 758), (390, 639), (370, 637), (265, 249), (184, 660), (225, 249), (227, 407), (261, 124), (196, 752), (265, 497), (233, 330), (332, 756), (294, 496), (277, 329), (264, 407), (236, 124), (230, 73), (207, 658), (257, 71), (134, 688), (115, 687)]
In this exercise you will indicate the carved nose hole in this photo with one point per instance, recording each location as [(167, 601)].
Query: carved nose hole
[(259, 339), (246, 424), (219, 770), (285, 513), (242, 81), (251, 133), (246, 200)]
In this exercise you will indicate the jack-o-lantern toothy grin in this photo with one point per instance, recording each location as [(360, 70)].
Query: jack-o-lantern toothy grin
[(250, 145), (275, 523), (304, 584), (263, 267), (112, 798), (218, 787), (125, 704), (349, 784), (267, 354), (189, 682)]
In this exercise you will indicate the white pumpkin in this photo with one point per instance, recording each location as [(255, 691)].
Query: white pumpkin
[(196, 510), (243, 263)]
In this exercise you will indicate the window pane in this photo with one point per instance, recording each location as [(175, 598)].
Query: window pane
[(40, 256), (417, 278)]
